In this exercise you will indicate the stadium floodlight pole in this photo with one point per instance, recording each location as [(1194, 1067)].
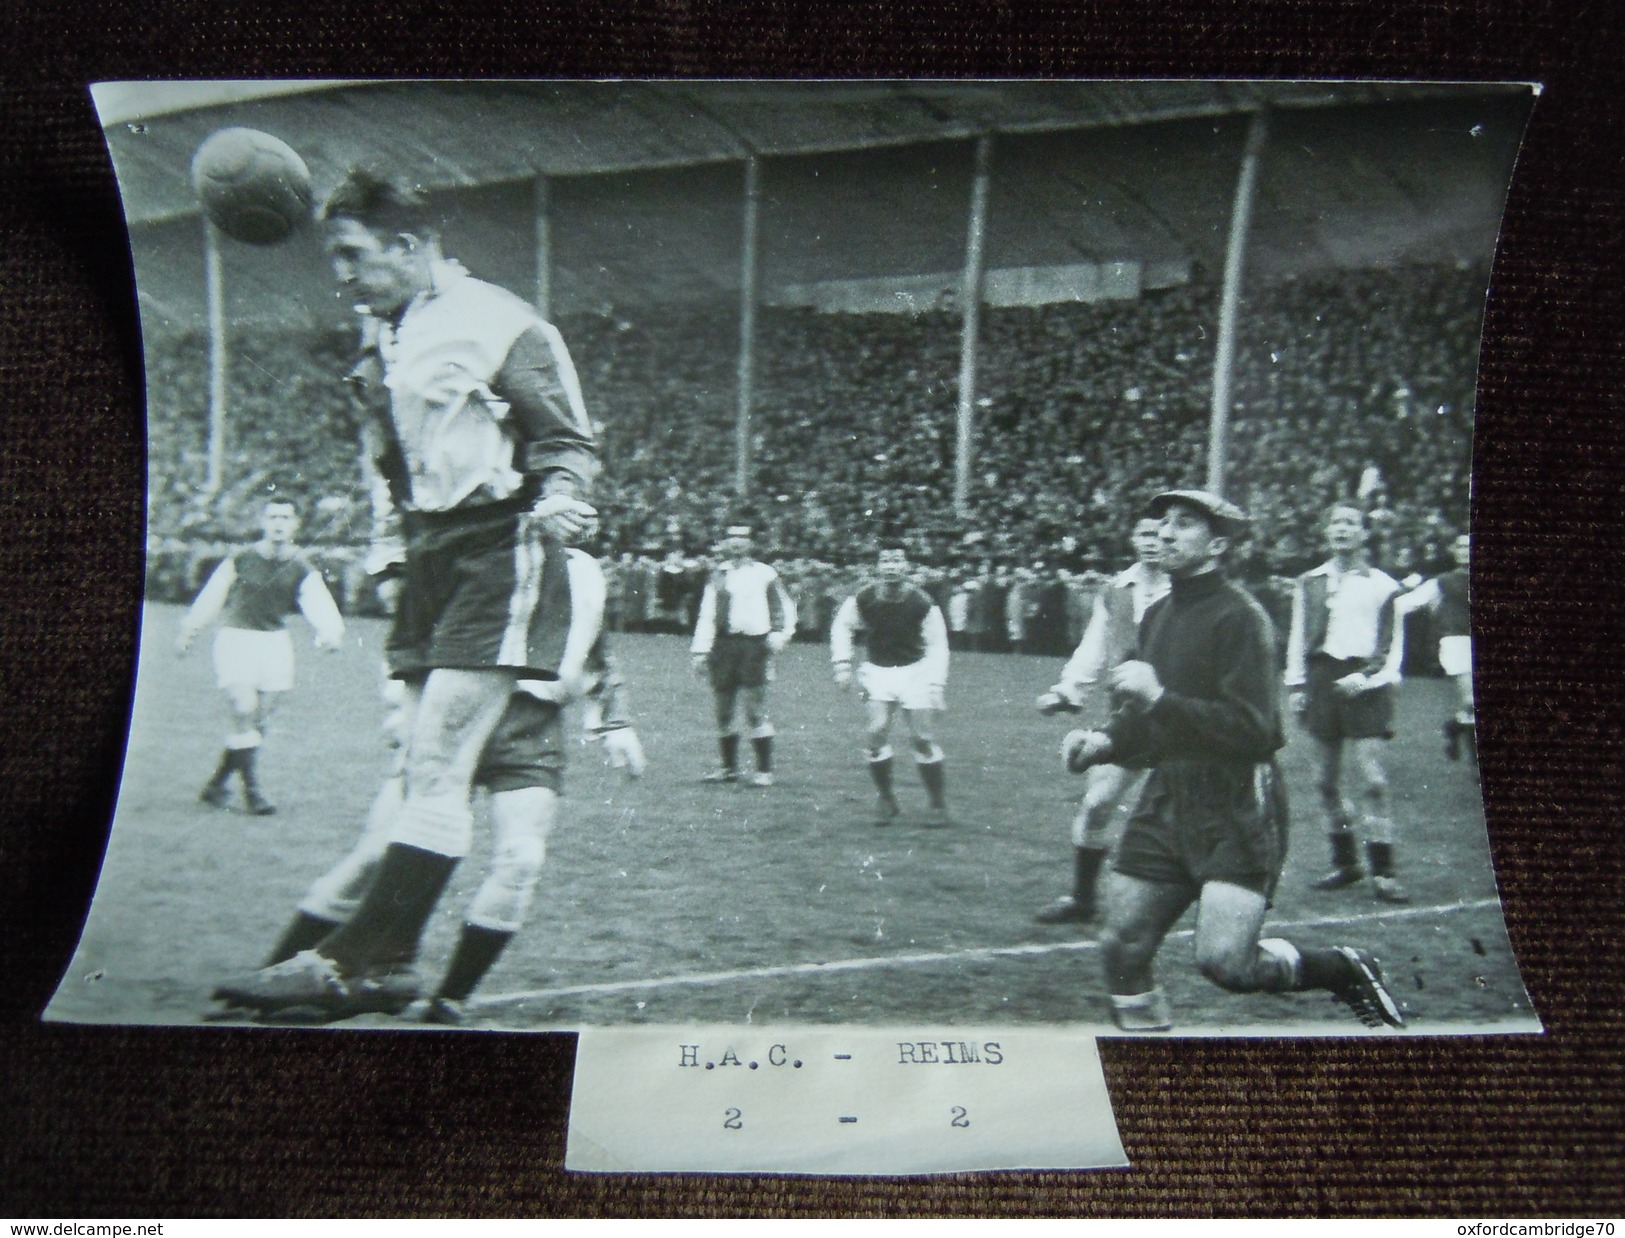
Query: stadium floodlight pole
[(747, 325), (215, 293), (1224, 358), (970, 302)]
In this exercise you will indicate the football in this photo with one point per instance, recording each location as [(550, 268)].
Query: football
[(252, 186)]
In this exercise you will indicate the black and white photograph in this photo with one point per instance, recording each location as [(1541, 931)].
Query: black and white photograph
[(980, 553)]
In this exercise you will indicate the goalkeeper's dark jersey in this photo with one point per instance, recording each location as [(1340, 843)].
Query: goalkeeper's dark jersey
[(892, 619), (265, 590), (1213, 650)]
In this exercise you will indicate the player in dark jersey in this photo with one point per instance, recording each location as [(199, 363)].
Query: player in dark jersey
[(252, 593), (1447, 597), (905, 669), (1199, 706)]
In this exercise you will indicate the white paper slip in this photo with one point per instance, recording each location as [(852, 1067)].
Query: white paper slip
[(838, 1101)]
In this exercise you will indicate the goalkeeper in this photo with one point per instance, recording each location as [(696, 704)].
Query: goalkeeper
[(522, 766), (1199, 707)]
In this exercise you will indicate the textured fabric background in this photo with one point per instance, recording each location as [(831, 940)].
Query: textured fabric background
[(97, 1122)]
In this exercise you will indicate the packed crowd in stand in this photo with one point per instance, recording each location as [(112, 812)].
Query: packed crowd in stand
[(1354, 380)]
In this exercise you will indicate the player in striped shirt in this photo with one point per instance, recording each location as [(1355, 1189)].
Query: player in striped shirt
[(1343, 661), (484, 439), (252, 593), (904, 670), (1113, 628), (746, 616)]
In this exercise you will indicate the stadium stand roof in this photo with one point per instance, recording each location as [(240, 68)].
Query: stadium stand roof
[(861, 179), (584, 128)]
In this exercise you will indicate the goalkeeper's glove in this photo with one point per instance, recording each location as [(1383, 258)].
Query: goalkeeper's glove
[(1082, 749)]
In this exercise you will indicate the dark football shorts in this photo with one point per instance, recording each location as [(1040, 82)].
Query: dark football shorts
[(481, 588), (1200, 821), (1330, 716), (526, 749), (738, 662)]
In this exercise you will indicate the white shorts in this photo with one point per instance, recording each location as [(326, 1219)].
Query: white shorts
[(1456, 655), (259, 660), (908, 686)]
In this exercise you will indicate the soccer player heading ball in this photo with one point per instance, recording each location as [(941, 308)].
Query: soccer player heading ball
[(905, 669), (1198, 705), (490, 454)]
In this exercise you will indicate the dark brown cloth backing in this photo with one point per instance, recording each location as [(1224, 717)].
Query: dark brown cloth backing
[(98, 1122)]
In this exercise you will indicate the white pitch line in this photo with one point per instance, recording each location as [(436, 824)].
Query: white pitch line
[(913, 960)]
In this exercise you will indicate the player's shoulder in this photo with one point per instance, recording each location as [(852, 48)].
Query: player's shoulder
[(1246, 607), (473, 300), (472, 289), (1321, 569)]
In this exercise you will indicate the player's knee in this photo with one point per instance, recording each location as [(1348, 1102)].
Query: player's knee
[(1099, 798), (1083, 829), (1229, 969), (926, 752), (504, 896)]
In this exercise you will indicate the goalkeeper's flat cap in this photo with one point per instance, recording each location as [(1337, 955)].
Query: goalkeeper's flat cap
[(1226, 517)]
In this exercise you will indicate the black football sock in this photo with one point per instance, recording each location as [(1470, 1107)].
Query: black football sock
[(729, 746), (764, 752), (1086, 865), (880, 771), (1322, 969), (223, 772), (477, 949), (248, 774), (387, 926), (1381, 856), (1345, 854), (302, 933), (931, 776)]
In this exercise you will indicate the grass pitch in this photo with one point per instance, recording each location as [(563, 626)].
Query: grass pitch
[(665, 901)]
